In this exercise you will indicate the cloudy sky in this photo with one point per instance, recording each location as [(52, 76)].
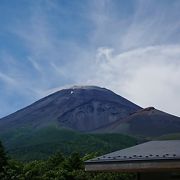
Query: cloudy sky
[(131, 47)]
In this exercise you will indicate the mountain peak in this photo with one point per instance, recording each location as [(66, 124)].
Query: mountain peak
[(85, 87), (82, 108)]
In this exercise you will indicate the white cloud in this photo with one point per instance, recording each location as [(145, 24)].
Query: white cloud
[(147, 76)]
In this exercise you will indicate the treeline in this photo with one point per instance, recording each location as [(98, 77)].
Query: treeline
[(56, 167)]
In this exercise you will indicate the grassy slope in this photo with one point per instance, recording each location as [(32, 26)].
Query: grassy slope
[(28, 145), (175, 136)]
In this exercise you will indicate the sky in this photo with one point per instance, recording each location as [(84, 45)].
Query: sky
[(130, 47)]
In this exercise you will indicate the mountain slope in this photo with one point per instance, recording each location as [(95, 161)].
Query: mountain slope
[(147, 122), (79, 108)]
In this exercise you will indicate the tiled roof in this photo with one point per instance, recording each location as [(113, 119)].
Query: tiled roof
[(149, 151)]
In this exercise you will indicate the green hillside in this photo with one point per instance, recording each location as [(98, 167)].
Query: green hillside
[(174, 136), (24, 144)]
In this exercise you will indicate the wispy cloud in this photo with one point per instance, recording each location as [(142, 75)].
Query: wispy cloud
[(7, 79), (147, 76), (142, 62)]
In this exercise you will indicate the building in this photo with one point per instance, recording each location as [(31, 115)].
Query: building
[(150, 160)]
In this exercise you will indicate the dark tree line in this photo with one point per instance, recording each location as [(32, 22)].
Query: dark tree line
[(3, 158)]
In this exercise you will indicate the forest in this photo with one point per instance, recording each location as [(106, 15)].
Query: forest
[(56, 167)]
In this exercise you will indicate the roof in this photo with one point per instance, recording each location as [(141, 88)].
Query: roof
[(149, 152)]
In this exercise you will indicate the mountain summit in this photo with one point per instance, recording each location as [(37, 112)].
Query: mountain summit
[(82, 108)]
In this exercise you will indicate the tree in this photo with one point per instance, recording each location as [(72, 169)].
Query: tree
[(74, 162), (55, 160), (3, 158)]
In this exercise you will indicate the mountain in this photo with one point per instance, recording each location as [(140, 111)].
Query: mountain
[(81, 108), (91, 109), (84, 119)]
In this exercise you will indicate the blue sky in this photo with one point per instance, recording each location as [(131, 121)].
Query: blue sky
[(131, 47)]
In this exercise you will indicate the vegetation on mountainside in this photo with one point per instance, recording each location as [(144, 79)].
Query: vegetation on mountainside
[(36, 145), (56, 167), (175, 136)]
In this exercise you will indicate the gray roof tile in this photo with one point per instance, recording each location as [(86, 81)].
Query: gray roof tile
[(151, 150)]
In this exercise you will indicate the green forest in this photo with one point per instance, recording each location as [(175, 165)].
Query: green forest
[(56, 167), (28, 145)]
